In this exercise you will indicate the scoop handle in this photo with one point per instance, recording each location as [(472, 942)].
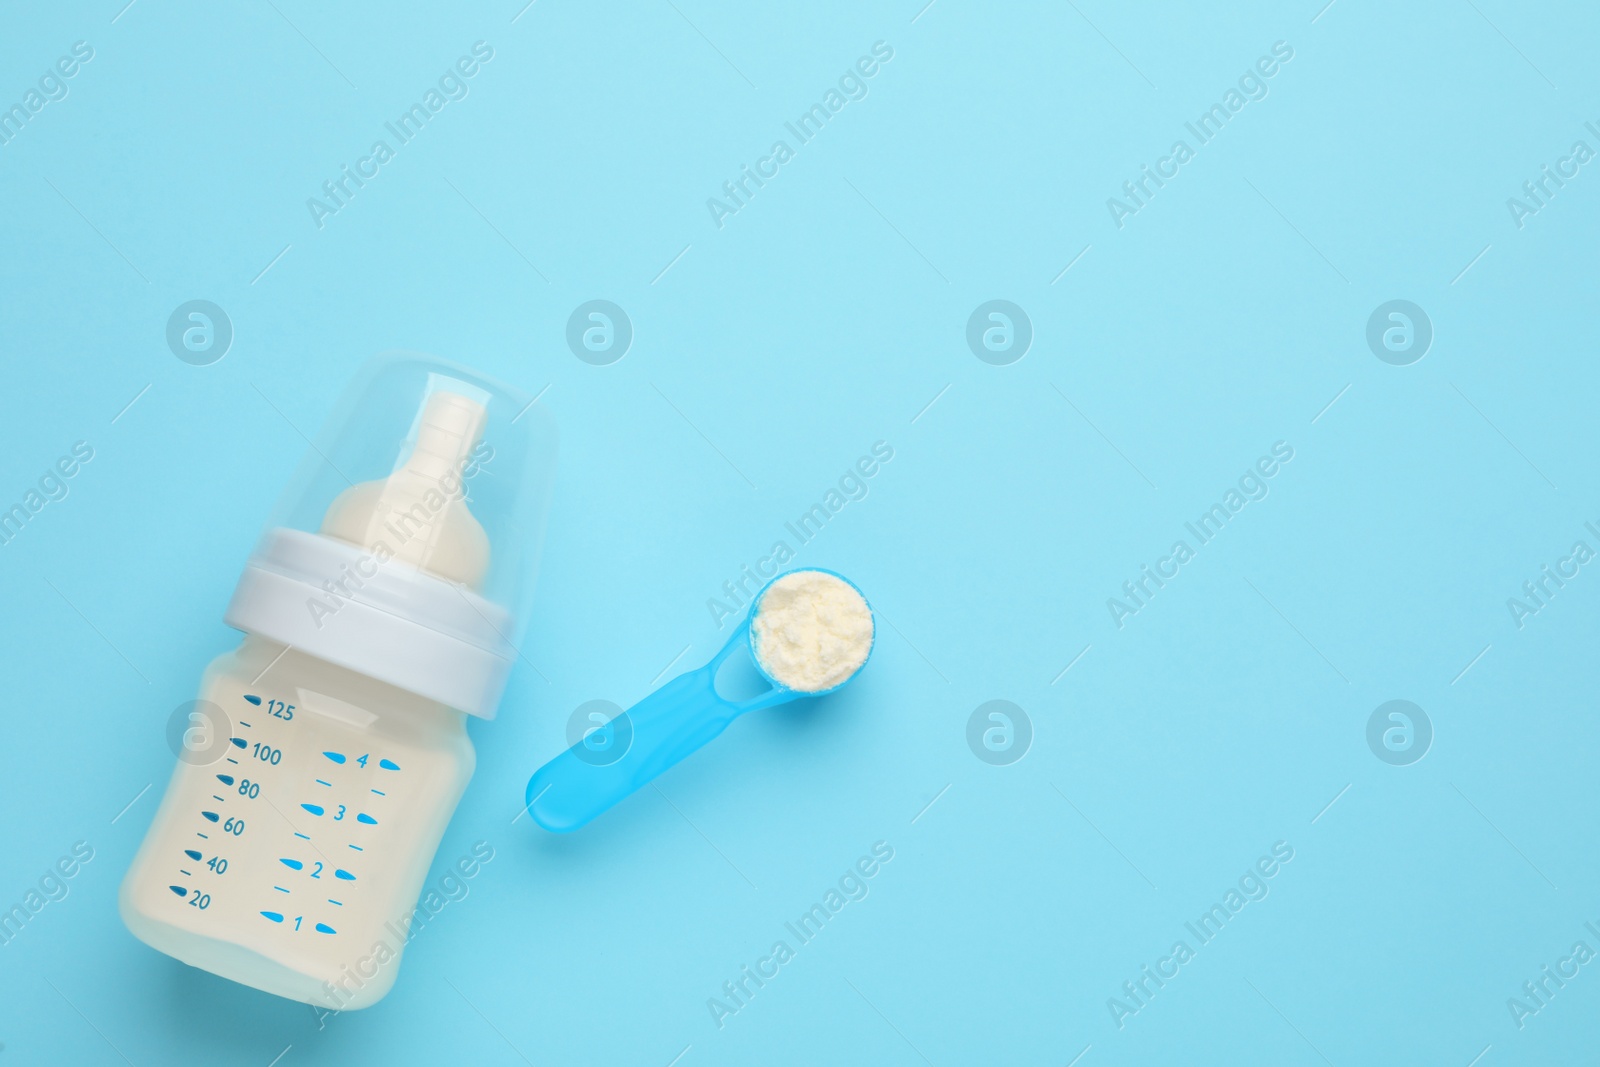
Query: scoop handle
[(662, 730), (666, 726)]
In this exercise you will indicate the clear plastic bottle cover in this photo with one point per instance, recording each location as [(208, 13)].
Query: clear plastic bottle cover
[(406, 545)]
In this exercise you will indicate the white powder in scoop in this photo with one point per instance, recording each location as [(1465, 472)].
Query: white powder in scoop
[(812, 631)]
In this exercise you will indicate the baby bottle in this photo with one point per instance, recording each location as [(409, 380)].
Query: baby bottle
[(325, 755)]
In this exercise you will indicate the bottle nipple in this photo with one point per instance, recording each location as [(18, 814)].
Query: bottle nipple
[(419, 514)]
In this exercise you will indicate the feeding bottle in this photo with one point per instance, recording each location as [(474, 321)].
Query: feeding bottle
[(325, 755)]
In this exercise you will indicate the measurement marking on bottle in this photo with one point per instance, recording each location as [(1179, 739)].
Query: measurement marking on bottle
[(280, 889), (389, 765), (358, 848), (315, 809), (225, 779), (363, 817), (293, 865), (211, 816), (218, 799), (301, 836), (178, 889), (253, 699), (233, 761), (275, 916), (186, 872), (340, 903), (328, 784), (324, 928), (238, 742), (192, 854), (337, 757), (244, 724), (380, 792), (197, 833), (344, 875)]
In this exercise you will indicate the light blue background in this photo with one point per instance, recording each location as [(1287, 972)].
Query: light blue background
[(823, 317)]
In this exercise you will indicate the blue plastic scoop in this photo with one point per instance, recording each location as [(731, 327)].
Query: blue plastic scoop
[(661, 731)]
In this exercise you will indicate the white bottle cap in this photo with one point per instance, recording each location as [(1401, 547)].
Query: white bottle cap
[(413, 577)]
